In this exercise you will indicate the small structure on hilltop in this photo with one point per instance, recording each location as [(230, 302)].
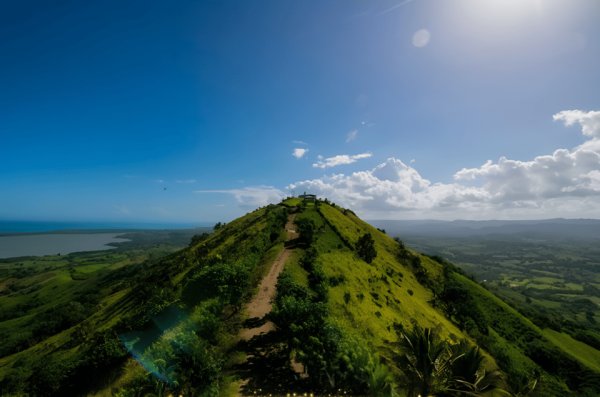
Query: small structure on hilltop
[(309, 198)]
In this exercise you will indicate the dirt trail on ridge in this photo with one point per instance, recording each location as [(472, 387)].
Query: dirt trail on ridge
[(267, 368), (261, 304)]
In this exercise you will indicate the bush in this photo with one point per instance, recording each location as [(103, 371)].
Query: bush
[(365, 248), (461, 305), (306, 228)]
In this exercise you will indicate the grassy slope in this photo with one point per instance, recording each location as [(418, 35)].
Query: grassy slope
[(509, 329), (512, 332), (378, 297), (113, 307), (292, 202), (378, 292), (60, 287), (386, 298), (584, 353)]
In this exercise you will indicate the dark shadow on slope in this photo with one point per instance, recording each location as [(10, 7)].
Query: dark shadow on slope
[(268, 367), (255, 322)]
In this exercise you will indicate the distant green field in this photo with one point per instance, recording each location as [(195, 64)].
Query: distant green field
[(554, 275)]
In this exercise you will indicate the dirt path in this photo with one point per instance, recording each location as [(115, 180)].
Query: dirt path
[(265, 363), (261, 304)]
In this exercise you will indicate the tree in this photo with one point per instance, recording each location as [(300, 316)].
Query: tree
[(217, 226), (198, 238), (461, 305), (366, 248), (424, 360), (468, 376), (306, 228), (227, 281)]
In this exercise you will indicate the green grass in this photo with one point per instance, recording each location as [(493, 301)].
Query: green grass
[(579, 350), (385, 298), (545, 273), (292, 202), (368, 301), (260, 271), (574, 287), (506, 320), (547, 280), (292, 265)]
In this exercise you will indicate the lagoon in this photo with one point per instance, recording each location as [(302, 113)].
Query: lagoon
[(53, 244)]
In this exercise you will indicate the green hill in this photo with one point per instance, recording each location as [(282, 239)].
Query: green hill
[(346, 303)]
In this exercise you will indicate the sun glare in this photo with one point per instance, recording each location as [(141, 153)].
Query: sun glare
[(504, 11)]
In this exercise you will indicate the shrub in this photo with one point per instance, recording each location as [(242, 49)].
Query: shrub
[(365, 248)]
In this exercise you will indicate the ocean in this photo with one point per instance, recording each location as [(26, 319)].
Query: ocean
[(45, 226)]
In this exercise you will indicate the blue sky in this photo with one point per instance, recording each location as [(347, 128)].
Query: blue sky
[(228, 105)]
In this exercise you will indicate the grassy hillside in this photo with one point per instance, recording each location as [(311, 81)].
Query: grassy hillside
[(71, 312), (292, 202), (156, 321), (578, 350), (391, 294), (383, 295)]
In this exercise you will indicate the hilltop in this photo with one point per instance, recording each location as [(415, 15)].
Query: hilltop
[(346, 301)]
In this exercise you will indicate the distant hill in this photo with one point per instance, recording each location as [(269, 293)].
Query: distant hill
[(547, 228)]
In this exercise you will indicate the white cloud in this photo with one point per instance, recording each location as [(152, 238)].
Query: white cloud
[(299, 143), (339, 160), (122, 209), (253, 196), (158, 180), (412, 161), (351, 135), (298, 153), (561, 184), (188, 181), (590, 121), (320, 157)]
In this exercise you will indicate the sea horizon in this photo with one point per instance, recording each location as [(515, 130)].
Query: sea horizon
[(27, 226)]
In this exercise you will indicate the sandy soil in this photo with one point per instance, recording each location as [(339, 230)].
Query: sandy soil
[(261, 305)]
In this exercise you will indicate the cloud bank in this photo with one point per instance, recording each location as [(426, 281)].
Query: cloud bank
[(565, 182)]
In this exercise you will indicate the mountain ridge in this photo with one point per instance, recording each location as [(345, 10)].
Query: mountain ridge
[(359, 305)]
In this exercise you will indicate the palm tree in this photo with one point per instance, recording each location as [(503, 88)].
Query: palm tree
[(435, 368), (467, 377), (424, 359)]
